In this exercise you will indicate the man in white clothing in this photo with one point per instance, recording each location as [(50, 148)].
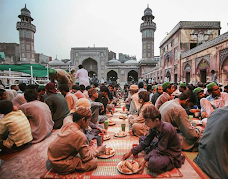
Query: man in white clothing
[(82, 74)]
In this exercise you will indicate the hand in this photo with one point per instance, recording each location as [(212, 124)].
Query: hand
[(103, 131), (102, 108), (126, 155), (194, 110), (101, 149), (141, 167)]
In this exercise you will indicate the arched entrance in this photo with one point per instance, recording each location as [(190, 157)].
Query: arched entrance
[(168, 76), (187, 72), (91, 66), (112, 77), (224, 74), (132, 77), (203, 70)]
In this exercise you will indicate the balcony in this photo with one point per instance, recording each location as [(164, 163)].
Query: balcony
[(26, 25), (147, 25)]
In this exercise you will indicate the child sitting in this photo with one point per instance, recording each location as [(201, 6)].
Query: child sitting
[(71, 141), (15, 130), (162, 144)]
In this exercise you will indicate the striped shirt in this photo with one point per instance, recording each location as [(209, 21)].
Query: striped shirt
[(19, 129)]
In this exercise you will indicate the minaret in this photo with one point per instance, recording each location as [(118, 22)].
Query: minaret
[(26, 35), (147, 29)]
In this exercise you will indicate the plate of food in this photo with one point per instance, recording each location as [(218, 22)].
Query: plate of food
[(106, 137), (109, 115), (128, 167), (197, 122), (120, 134), (109, 152), (111, 123)]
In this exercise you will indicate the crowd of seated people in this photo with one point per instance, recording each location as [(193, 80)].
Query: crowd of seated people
[(158, 114)]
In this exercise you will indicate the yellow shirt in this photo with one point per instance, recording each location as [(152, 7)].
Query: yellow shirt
[(19, 129)]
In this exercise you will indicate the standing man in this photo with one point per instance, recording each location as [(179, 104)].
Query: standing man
[(61, 76), (214, 76), (82, 74)]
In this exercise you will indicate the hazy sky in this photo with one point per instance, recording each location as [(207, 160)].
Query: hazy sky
[(63, 24)]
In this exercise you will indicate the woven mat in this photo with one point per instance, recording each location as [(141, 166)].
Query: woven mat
[(107, 168), (190, 156)]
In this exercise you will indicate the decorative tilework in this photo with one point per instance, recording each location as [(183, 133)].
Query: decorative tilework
[(223, 54), (206, 57)]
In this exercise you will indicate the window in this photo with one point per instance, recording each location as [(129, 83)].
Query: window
[(176, 54), (148, 46), (193, 45), (175, 40), (148, 54)]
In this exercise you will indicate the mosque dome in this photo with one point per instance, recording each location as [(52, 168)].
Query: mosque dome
[(113, 61), (56, 62), (25, 12), (147, 12), (131, 61)]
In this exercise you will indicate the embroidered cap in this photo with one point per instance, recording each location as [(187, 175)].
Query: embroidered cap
[(165, 85), (197, 90), (211, 85)]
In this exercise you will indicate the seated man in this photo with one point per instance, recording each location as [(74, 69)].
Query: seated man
[(134, 99), (213, 155), (215, 100), (166, 95), (137, 122), (38, 114), (71, 141), (77, 92), (70, 98), (174, 112), (57, 104), (158, 92), (162, 143), (20, 99), (15, 130), (103, 98), (95, 107), (3, 94)]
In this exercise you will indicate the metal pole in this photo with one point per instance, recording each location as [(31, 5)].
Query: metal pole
[(47, 72), (31, 75), (9, 78)]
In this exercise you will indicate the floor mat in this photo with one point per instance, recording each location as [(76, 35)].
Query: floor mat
[(190, 156)]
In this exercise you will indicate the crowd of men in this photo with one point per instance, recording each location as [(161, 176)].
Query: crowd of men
[(159, 114)]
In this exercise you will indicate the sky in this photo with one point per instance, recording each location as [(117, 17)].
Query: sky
[(64, 24)]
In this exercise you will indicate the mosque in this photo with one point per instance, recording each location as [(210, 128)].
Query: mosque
[(188, 53)]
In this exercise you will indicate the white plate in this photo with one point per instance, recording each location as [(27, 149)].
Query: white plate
[(112, 124), (130, 173), (107, 138), (103, 156), (115, 134)]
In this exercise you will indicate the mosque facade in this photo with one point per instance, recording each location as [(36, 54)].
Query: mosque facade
[(190, 51), (128, 70)]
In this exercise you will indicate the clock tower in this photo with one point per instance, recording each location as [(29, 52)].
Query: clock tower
[(147, 29), (26, 36)]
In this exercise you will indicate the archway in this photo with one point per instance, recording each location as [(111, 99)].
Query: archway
[(187, 72), (167, 61), (112, 77), (224, 74), (132, 76), (91, 66), (168, 75), (203, 70)]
